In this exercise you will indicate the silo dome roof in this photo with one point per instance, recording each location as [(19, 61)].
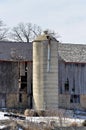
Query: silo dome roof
[(45, 37)]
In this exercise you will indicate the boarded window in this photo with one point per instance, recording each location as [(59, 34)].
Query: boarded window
[(23, 68), (75, 99)]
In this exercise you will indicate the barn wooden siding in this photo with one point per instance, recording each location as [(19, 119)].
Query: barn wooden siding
[(30, 84), (9, 84), (75, 74)]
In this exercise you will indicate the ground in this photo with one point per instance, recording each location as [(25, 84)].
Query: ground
[(50, 121)]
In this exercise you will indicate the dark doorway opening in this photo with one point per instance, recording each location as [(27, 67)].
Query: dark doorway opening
[(31, 95)]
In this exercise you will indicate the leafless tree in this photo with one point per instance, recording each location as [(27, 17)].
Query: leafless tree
[(25, 32), (3, 31)]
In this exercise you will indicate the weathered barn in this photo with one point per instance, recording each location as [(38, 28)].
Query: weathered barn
[(59, 74), (58, 77), (15, 74), (72, 76)]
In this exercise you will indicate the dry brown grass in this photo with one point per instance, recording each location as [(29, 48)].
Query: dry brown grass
[(41, 113), (30, 112), (44, 113), (73, 124), (39, 128)]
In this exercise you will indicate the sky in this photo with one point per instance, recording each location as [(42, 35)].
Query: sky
[(66, 17)]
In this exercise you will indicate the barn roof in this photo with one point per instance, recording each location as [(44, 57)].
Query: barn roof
[(72, 52), (14, 51)]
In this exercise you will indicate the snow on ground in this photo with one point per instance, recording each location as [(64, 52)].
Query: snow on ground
[(2, 127), (2, 117), (65, 121)]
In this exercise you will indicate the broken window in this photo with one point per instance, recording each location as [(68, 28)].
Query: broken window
[(73, 90), (66, 85), (75, 98), (20, 97), (23, 86), (23, 83)]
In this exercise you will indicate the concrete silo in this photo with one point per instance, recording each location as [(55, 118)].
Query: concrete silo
[(45, 72)]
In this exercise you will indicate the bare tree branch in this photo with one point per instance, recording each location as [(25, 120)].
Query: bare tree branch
[(17, 35), (25, 32), (3, 31)]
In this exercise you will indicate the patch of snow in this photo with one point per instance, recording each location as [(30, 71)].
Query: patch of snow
[(2, 126), (64, 121), (20, 129), (2, 117)]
